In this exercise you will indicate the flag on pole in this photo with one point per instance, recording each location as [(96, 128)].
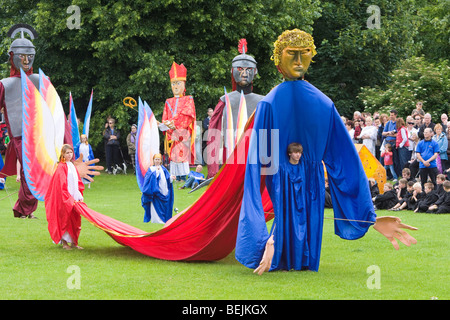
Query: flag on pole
[(147, 141), (87, 118), (73, 122)]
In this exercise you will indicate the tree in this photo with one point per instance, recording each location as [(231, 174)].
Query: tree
[(126, 48), (353, 54), (416, 79)]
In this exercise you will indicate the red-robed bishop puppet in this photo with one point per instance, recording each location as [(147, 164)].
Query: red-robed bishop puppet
[(179, 118), (21, 56)]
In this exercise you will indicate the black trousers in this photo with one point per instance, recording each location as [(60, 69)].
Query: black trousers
[(428, 172), (112, 156)]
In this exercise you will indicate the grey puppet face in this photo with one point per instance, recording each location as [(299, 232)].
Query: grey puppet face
[(23, 54), (244, 69), (244, 76)]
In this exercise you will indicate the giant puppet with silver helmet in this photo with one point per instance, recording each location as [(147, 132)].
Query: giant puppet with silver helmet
[(21, 56), (243, 71)]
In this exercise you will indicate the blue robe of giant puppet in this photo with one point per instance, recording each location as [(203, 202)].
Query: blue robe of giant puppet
[(157, 195), (296, 111)]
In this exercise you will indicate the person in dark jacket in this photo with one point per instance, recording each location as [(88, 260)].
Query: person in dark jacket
[(442, 205), (386, 200), (111, 136), (430, 198)]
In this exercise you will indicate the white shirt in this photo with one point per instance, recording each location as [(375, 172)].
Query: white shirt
[(72, 182)]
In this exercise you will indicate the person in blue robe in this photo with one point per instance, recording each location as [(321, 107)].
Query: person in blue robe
[(157, 193), (296, 111)]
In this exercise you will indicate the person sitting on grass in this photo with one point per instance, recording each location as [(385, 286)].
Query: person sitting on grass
[(442, 205), (440, 179), (401, 188), (430, 198), (194, 178), (403, 202), (417, 195), (374, 191), (386, 200)]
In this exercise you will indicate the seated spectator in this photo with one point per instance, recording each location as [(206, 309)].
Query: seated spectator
[(194, 178), (403, 203), (440, 179), (430, 198), (417, 195), (442, 205), (386, 200), (401, 189), (374, 190)]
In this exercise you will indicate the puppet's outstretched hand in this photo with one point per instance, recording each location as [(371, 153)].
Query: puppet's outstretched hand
[(85, 169), (266, 260), (391, 228)]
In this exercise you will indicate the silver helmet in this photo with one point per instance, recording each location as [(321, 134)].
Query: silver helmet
[(22, 49)]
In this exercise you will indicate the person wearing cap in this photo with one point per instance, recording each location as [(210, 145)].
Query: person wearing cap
[(131, 143), (157, 193), (179, 120), (243, 71)]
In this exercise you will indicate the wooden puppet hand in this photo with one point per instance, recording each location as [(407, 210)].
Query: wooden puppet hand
[(266, 260), (170, 124), (85, 170), (391, 228)]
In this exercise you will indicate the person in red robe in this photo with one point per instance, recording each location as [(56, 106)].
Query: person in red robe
[(65, 189), (179, 119)]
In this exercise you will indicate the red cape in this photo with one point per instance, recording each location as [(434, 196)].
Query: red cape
[(205, 231), (59, 207)]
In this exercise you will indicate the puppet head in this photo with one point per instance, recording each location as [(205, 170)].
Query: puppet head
[(178, 79), (293, 53), (22, 50), (243, 67)]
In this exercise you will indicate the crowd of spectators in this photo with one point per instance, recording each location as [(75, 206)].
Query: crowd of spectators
[(416, 149), (399, 143)]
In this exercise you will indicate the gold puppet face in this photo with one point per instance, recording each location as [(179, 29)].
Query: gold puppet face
[(295, 62), (293, 53)]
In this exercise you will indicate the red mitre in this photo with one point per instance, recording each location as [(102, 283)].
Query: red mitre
[(177, 72)]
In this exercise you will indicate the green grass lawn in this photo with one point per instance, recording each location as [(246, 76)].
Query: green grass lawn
[(32, 267)]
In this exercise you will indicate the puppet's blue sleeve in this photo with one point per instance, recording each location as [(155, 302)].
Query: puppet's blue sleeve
[(348, 182), (252, 230)]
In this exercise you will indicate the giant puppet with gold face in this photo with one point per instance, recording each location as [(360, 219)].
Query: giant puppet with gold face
[(179, 118), (296, 111)]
